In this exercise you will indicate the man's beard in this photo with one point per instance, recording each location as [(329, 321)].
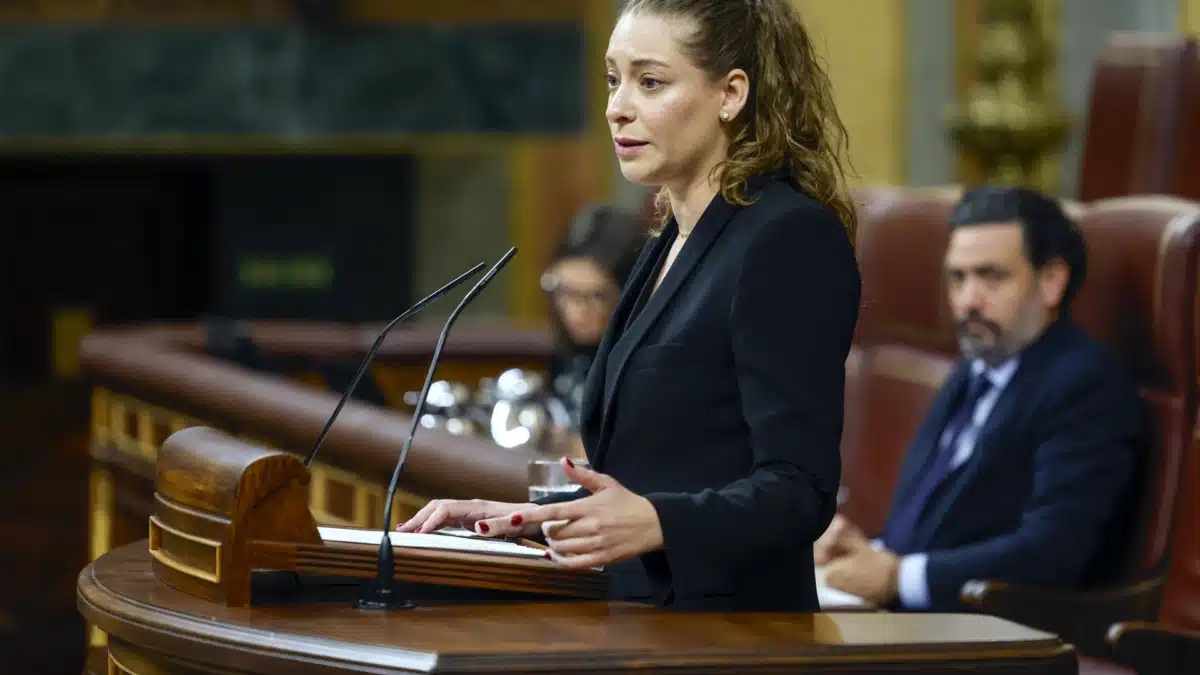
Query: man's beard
[(993, 353)]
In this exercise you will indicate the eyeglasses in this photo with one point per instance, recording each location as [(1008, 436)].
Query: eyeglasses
[(553, 286)]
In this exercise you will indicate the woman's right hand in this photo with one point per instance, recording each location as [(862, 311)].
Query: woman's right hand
[(466, 513)]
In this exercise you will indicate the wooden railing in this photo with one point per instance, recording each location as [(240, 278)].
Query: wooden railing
[(151, 381)]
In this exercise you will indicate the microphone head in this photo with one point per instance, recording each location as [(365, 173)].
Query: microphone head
[(502, 261), (487, 278)]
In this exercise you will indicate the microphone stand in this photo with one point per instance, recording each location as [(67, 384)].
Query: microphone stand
[(381, 596), (408, 313)]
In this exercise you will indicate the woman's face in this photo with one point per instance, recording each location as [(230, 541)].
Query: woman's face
[(663, 111), (584, 297)]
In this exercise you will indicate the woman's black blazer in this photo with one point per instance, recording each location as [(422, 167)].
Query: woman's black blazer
[(720, 399)]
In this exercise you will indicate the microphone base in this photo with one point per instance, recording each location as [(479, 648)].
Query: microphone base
[(381, 596), (380, 600)]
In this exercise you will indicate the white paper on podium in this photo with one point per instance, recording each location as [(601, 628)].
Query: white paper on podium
[(443, 542), (832, 598)]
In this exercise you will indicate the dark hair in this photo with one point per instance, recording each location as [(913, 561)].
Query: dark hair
[(609, 236), (790, 120), (1048, 232)]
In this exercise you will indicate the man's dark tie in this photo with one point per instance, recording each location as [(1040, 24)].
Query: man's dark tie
[(900, 526)]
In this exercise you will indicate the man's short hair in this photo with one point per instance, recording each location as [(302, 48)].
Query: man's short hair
[(1048, 233)]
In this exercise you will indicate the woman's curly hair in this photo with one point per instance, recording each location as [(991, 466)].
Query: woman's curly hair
[(790, 119)]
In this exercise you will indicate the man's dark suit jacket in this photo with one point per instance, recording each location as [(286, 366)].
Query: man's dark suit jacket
[(1046, 496), (720, 399)]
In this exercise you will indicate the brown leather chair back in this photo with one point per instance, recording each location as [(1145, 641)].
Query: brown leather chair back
[(902, 235), (851, 424), (1133, 116), (1180, 606), (1181, 597), (904, 343), (1142, 303), (895, 387), (1141, 277), (1186, 178)]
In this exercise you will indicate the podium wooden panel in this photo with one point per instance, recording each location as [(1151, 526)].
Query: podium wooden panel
[(154, 628)]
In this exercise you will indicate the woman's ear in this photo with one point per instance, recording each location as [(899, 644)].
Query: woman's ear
[(735, 94)]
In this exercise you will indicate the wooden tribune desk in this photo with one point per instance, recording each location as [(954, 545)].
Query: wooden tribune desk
[(236, 577), (154, 628)]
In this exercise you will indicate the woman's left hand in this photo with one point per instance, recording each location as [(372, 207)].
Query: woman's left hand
[(610, 525)]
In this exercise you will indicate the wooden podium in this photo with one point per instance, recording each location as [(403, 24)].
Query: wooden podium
[(236, 577), (225, 511)]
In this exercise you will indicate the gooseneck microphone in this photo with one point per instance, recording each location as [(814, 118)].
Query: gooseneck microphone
[(381, 595), (408, 313)]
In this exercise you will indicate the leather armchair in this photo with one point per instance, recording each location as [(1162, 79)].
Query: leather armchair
[(1134, 119), (1141, 282), (1141, 278), (1171, 644), (1154, 649), (1186, 173)]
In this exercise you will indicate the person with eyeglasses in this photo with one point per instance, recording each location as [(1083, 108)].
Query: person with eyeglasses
[(584, 282)]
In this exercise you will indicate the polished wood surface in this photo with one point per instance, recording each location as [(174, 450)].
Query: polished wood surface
[(166, 367), (226, 510), (154, 628), (151, 380)]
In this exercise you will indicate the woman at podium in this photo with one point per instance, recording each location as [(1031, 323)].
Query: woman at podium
[(712, 414)]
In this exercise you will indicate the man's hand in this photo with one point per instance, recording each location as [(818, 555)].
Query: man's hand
[(610, 525), (841, 538), (871, 574)]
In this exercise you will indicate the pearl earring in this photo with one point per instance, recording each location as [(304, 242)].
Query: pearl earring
[(725, 117)]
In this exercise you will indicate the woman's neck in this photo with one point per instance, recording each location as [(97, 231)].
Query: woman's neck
[(688, 201)]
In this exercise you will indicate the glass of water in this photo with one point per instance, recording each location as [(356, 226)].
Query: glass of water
[(546, 477)]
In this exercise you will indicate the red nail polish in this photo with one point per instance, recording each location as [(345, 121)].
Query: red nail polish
[(516, 520), (548, 556), (483, 527), (570, 463)]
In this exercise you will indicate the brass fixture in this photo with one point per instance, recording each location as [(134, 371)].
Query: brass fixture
[(1008, 124)]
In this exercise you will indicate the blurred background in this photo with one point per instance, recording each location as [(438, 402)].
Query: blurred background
[(231, 166)]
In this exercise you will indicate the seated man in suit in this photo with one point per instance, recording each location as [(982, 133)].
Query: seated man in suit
[(1023, 468)]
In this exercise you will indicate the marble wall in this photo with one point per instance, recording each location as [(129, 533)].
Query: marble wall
[(290, 80), (439, 88)]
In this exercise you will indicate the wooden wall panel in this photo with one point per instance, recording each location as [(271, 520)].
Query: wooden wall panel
[(1189, 19), (866, 61), (551, 181), (43, 522)]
